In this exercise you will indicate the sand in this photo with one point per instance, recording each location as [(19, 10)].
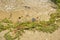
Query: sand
[(35, 8)]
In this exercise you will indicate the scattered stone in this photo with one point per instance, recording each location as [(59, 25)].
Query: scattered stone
[(33, 19)]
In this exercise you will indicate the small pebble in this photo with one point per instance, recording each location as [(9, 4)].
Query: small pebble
[(33, 19)]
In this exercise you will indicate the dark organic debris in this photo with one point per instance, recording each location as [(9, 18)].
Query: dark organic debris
[(27, 7), (19, 17)]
